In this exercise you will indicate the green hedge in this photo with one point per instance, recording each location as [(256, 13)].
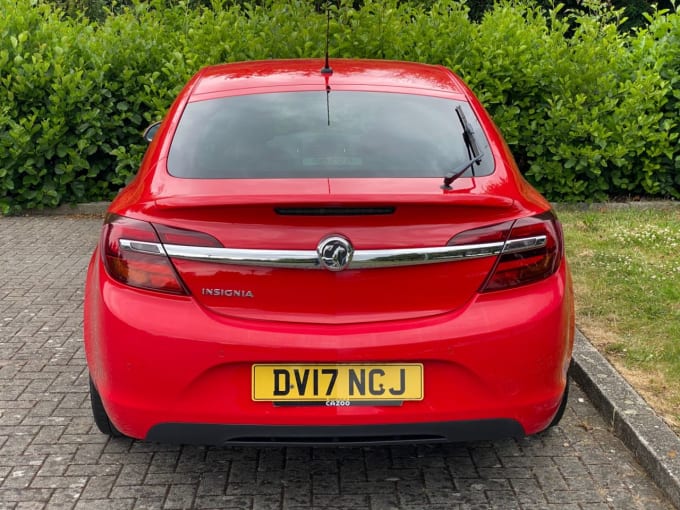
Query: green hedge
[(633, 10), (589, 116)]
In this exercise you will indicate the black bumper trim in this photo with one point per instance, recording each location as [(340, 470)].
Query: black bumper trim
[(344, 435)]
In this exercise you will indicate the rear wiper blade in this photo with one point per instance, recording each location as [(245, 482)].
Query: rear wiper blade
[(472, 149), (453, 175), (468, 134)]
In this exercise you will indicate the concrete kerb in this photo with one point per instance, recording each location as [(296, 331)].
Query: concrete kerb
[(654, 444)]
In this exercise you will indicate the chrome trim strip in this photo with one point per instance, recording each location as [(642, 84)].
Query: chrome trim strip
[(417, 256), (525, 244), (362, 259), (305, 259), (142, 246)]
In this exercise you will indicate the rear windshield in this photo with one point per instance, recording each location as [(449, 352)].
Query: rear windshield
[(319, 134)]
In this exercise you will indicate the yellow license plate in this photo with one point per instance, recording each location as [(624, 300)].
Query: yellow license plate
[(393, 382)]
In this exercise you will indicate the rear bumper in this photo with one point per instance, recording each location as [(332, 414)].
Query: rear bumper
[(353, 435), (167, 369)]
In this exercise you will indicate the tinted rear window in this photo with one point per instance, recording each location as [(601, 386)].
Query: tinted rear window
[(312, 134)]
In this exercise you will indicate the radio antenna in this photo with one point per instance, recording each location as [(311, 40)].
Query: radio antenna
[(327, 67)]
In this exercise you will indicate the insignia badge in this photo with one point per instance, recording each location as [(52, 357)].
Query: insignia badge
[(335, 253)]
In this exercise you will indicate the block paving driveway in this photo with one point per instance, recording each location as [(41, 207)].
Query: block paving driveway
[(52, 456)]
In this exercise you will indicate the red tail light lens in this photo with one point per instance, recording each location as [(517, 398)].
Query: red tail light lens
[(532, 250), (492, 234), (172, 235), (519, 263), (133, 255)]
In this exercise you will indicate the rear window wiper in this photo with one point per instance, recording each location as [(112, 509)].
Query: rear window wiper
[(453, 175), (473, 151)]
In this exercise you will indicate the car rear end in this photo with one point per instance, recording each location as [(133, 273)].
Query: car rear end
[(327, 289)]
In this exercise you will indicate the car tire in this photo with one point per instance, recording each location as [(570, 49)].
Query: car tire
[(563, 406), (101, 419)]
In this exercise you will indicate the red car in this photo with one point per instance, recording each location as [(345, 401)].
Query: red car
[(328, 256)]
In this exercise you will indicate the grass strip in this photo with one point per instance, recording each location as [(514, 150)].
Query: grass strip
[(626, 267)]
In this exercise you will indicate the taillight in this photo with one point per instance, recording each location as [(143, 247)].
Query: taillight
[(532, 250), (172, 235), (134, 255)]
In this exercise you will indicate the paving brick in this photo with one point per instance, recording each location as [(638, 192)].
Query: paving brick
[(59, 482), (412, 492), (223, 502), (383, 502), (98, 486), (380, 473), (64, 498), (242, 471), (148, 503), (345, 501), (267, 502), (180, 496), (138, 491), (55, 465), (323, 483), (352, 470), (20, 477), (212, 484), (463, 467), (52, 456), (504, 499), (365, 487), (132, 474), (105, 504), (191, 460), (24, 495), (253, 488), (297, 495), (29, 505), (528, 491)]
